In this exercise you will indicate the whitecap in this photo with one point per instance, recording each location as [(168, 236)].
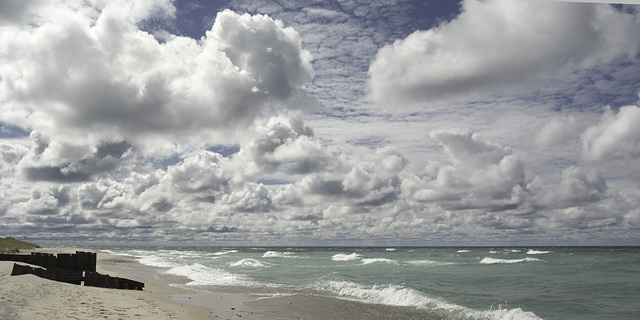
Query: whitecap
[(389, 295), (249, 263), (345, 257), (278, 254), (531, 251), (201, 275), (462, 251), (219, 253), (391, 249), (488, 260), (374, 260), (428, 263), (407, 297)]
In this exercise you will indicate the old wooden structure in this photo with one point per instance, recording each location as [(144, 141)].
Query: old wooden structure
[(70, 268)]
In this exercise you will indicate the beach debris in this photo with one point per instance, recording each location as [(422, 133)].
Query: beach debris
[(70, 268)]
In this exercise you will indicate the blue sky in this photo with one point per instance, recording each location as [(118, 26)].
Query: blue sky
[(493, 122)]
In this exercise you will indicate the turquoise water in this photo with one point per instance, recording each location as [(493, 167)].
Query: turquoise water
[(462, 283)]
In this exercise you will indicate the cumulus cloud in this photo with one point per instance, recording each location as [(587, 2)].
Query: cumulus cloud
[(10, 155), (499, 43), (16, 11), (482, 174), (126, 128), (92, 86), (360, 177), (280, 141), (202, 171), (557, 132), (71, 162), (615, 137), (577, 187), (75, 72)]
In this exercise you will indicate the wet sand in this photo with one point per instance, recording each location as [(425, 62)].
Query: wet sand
[(313, 307)]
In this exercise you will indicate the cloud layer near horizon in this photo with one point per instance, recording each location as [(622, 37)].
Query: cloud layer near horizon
[(149, 136)]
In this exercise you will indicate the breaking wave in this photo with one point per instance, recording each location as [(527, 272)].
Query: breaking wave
[(537, 252), (345, 257), (278, 254), (374, 260), (488, 260), (249, 263), (201, 275), (429, 263), (407, 297), (220, 253)]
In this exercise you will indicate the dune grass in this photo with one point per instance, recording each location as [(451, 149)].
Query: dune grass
[(11, 245)]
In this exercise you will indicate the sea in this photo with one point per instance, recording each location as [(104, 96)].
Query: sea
[(417, 282)]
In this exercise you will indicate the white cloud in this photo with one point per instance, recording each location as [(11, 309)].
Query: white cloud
[(16, 11), (615, 137), (10, 155), (557, 132), (124, 125), (498, 43), (482, 174), (280, 140), (75, 73), (202, 171), (577, 187)]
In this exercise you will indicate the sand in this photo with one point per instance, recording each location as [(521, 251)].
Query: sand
[(30, 297)]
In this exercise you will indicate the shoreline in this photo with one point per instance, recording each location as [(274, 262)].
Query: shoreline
[(30, 297), (33, 298)]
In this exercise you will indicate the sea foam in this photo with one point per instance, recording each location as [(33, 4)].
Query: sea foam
[(345, 257), (278, 254), (429, 263), (488, 260), (220, 253), (389, 295), (201, 275), (156, 261), (249, 263), (531, 251), (374, 260), (407, 297)]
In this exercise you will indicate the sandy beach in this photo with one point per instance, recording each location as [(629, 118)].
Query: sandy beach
[(29, 297)]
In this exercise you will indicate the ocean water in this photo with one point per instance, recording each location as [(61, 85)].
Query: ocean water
[(449, 283)]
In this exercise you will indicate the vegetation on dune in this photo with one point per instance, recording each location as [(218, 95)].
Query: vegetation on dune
[(11, 245)]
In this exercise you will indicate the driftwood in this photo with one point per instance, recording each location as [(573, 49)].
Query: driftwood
[(70, 268)]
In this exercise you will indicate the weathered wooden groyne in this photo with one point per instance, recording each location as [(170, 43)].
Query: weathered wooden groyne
[(70, 268), (79, 261)]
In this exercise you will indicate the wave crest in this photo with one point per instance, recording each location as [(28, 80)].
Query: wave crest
[(531, 251), (201, 275), (345, 257), (374, 260), (278, 254), (407, 297), (488, 260), (249, 263)]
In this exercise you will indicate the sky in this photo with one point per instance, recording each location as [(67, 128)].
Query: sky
[(344, 122)]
